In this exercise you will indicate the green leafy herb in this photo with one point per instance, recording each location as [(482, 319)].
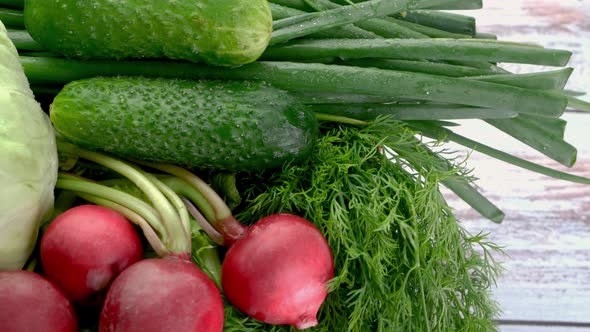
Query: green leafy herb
[(403, 262)]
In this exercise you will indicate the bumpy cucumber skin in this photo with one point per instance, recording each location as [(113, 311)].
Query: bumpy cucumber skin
[(232, 125), (217, 32)]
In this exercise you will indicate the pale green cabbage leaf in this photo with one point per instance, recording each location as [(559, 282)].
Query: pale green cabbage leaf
[(28, 161)]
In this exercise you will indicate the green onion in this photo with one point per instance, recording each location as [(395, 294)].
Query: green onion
[(446, 5), (427, 67), (445, 134), (462, 188), (573, 93), (385, 27), (17, 4), (412, 111), (578, 104), (295, 4), (459, 5), (554, 127), (305, 24), (483, 35), (475, 199), (428, 31), (379, 26), (446, 21), (537, 137), (23, 41), (323, 78), (12, 18), (548, 80), (411, 49), (345, 31), (314, 97), (478, 65), (279, 12)]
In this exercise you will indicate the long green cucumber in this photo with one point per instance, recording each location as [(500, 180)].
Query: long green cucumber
[(218, 32), (233, 125)]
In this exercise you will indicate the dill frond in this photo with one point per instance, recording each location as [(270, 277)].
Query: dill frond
[(403, 262)]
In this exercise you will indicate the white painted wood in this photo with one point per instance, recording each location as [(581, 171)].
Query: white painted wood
[(546, 232), (534, 328)]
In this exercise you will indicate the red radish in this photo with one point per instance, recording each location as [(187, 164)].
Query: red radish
[(160, 294), (85, 248), (277, 273), (167, 294), (29, 302)]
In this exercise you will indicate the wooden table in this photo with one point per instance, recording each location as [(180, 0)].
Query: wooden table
[(546, 233)]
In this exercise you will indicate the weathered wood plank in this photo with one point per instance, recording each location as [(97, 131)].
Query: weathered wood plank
[(547, 227), (546, 231), (536, 328)]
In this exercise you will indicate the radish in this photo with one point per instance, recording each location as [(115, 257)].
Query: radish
[(29, 302), (160, 294), (85, 248), (275, 271), (169, 294)]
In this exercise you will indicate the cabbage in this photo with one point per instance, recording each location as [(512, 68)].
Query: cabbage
[(28, 161)]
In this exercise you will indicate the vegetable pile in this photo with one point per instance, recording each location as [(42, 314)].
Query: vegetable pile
[(258, 166)]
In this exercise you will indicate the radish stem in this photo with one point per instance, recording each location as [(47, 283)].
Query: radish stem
[(133, 203), (213, 234), (223, 219), (133, 217), (170, 218), (176, 202)]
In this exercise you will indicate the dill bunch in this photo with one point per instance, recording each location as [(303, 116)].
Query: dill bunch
[(403, 262)]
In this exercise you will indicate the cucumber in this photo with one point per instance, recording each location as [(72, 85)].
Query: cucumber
[(217, 32), (232, 125)]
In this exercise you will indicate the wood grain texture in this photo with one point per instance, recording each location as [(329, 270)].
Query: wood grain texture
[(544, 329), (546, 232)]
